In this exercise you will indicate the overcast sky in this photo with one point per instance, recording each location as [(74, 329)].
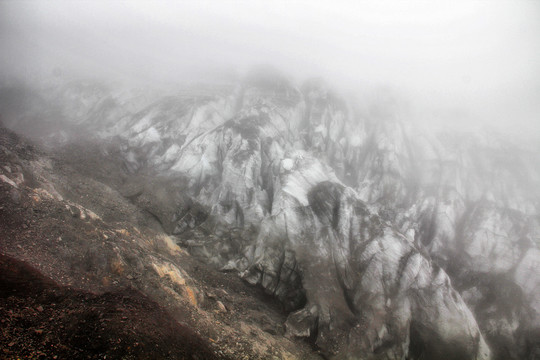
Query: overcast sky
[(480, 58)]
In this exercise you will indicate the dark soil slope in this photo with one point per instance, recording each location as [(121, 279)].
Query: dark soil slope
[(42, 320)]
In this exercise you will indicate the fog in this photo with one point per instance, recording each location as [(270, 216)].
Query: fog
[(187, 155), (468, 63)]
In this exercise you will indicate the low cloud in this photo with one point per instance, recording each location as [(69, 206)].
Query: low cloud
[(462, 62)]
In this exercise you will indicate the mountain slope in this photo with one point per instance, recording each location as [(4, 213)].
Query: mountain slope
[(383, 242), (81, 283)]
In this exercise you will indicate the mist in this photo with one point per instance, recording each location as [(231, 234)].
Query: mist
[(270, 179), (465, 64)]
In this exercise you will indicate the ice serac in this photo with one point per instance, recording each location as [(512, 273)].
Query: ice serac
[(476, 213), (369, 293), (357, 287), (468, 200)]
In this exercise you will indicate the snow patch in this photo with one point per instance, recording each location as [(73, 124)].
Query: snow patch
[(287, 164)]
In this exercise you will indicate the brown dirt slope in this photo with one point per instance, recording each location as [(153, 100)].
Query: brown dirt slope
[(86, 274), (42, 320)]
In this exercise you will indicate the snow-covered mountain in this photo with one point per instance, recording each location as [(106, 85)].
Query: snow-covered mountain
[(383, 242)]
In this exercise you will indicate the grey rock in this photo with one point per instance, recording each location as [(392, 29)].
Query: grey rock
[(15, 195)]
